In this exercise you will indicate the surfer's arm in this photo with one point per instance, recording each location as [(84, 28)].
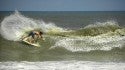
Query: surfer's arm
[(41, 37)]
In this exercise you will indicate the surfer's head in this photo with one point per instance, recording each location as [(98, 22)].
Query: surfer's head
[(40, 33)]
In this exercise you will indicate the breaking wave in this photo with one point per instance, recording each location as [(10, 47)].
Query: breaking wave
[(98, 36), (15, 25)]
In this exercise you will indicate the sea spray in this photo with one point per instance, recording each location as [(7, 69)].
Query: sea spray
[(14, 26)]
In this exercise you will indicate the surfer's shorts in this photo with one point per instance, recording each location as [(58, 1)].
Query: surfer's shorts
[(32, 34)]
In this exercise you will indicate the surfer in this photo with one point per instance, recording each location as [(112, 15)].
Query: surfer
[(33, 36)]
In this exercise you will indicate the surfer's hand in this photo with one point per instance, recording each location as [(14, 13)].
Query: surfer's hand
[(21, 38), (43, 39)]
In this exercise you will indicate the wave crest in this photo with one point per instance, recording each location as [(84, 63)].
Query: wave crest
[(98, 28), (15, 25)]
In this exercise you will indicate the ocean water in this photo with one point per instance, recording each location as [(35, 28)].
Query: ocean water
[(73, 41)]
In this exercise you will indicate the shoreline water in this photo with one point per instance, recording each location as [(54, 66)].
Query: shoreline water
[(62, 65)]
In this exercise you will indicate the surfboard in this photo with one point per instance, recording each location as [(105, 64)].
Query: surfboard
[(33, 44)]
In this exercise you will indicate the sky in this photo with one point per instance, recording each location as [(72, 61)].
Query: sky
[(62, 5)]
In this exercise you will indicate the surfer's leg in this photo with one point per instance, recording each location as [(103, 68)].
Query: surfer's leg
[(32, 41)]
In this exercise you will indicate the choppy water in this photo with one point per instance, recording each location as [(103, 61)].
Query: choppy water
[(86, 39)]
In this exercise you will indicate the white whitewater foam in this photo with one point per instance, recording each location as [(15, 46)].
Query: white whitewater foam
[(89, 43), (13, 26), (62, 65), (104, 42)]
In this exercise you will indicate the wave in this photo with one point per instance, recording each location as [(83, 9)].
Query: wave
[(15, 25), (96, 29), (98, 36)]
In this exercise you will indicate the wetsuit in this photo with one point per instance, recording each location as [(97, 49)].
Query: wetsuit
[(32, 34)]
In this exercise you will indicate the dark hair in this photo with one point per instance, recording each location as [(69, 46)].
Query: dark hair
[(40, 33)]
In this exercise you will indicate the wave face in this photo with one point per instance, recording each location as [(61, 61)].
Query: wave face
[(15, 25)]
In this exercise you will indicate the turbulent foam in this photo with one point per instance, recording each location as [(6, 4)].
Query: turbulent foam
[(90, 43), (62, 65), (15, 25), (105, 41)]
